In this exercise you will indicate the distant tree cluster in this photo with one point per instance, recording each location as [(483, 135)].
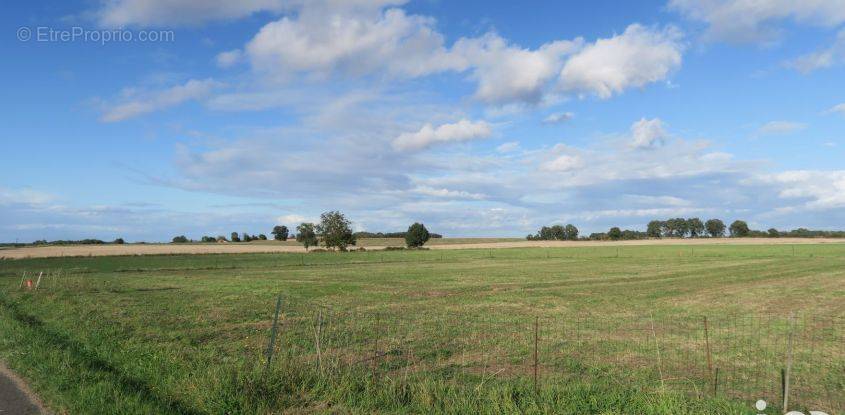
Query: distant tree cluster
[(555, 233), (369, 235), (692, 228)]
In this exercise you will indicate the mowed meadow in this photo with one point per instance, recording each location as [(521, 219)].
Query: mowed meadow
[(595, 329)]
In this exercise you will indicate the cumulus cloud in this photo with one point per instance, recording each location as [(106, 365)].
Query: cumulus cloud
[(637, 57), (324, 40), (819, 190), (327, 38), (135, 102), (558, 118), (463, 130), (119, 13), (648, 133), (751, 21), (508, 73), (780, 127)]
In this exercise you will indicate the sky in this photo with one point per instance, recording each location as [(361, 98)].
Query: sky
[(149, 119)]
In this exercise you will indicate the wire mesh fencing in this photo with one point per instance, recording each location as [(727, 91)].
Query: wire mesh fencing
[(799, 361)]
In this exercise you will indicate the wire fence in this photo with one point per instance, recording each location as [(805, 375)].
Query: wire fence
[(797, 361)]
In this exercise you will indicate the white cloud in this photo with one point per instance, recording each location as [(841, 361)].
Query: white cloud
[(821, 190), (558, 118), (229, 58), (840, 108), (463, 130), (447, 193), (119, 13), (24, 197), (136, 103), (563, 162), (326, 39), (293, 220), (508, 147), (780, 127), (756, 21), (637, 57), (508, 73), (825, 58), (648, 133)]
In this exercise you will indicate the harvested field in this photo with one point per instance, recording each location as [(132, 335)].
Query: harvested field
[(372, 244)]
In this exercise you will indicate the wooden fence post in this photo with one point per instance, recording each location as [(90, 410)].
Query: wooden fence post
[(272, 343)]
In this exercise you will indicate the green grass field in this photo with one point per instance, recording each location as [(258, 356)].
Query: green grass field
[(616, 330)]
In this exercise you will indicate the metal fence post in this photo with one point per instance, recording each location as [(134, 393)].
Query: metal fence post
[(272, 343), (536, 343), (707, 346), (788, 363)]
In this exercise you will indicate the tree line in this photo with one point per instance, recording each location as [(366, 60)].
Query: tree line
[(334, 231), (678, 228)]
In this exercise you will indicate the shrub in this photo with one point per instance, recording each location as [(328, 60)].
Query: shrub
[(416, 236)]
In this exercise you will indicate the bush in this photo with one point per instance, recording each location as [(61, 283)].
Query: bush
[(180, 239), (416, 236), (118, 241)]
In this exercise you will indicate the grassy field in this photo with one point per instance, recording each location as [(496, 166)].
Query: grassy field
[(615, 330)]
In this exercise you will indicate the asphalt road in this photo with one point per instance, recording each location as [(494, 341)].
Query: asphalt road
[(14, 400)]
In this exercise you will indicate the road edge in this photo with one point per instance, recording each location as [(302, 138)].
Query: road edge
[(23, 387)]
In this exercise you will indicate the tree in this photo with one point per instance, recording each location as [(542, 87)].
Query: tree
[(235, 237), (306, 235), (262, 237), (335, 230), (681, 227), (654, 229), (180, 239), (118, 241), (416, 236), (739, 229), (614, 233), (715, 227), (571, 232), (558, 233), (208, 239), (280, 233), (246, 237), (695, 227), (773, 233), (545, 233)]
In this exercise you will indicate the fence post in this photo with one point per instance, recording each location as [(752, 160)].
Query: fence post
[(39, 280), (716, 383), (788, 363), (536, 342), (23, 277), (272, 343), (375, 347), (707, 346), (318, 334), (657, 348)]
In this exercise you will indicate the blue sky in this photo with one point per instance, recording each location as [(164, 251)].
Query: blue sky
[(478, 118)]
